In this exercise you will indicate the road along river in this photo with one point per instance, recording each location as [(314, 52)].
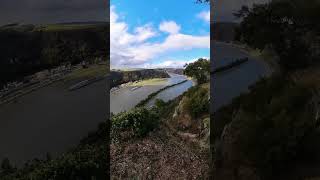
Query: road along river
[(231, 83), (51, 119), (127, 97)]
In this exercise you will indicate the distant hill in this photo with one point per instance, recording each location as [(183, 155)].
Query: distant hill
[(27, 48), (223, 31), (174, 70), (119, 77), (65, 26)]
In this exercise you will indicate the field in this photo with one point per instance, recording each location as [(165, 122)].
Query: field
[(150, 82), (92, 71)]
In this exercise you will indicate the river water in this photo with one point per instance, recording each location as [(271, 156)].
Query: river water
[(125, 99), (54, 119), (231, 83), (51, 119)]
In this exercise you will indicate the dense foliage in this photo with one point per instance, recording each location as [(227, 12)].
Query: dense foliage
[(137, 122), (197, 101), (89, 160), (274, 123), (29, 49), (200, 70), (290, 27)]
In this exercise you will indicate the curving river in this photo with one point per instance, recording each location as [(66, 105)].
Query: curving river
[(51, 119), (126, 98), (231, 83)]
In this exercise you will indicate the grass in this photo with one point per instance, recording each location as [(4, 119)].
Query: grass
[(150, 82), (92, 71)]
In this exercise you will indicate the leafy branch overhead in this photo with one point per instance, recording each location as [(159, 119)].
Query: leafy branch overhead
[(289, 27), (200, 70)]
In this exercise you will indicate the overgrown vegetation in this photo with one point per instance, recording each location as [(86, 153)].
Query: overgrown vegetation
[(89, 160), (275, 125), (200, 70), (197, 102), (289, 27), (137, 122), (26, 49)]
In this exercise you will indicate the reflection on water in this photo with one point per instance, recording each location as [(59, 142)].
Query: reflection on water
[(125, 99), (232, 83), (51, 119)]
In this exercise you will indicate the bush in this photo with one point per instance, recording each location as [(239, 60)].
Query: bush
[(197, 102), (273, 124), (88, 160), (200, 70), (140, 121)]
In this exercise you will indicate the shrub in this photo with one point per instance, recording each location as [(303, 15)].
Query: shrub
[(273, 125), (197, 102), (140, 121)]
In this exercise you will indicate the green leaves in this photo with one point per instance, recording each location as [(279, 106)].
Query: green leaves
[(270, 124), (140, 121), (200, 70), (284, 25), (197, 101)]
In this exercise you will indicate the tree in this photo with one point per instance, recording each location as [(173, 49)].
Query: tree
[(288, 26), (200, 70)]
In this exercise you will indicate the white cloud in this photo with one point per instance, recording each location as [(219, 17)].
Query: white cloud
[(204, 15), (173, 63), (133, 49), (169, 27)]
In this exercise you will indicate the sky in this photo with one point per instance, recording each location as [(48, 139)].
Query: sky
[(150, 34), (52, 11)]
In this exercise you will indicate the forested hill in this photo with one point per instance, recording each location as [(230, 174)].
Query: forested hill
[(26, 49)]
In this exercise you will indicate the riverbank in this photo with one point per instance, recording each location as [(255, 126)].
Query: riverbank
[(145, 101), (231, 65), (141, 83), (12, 98), (267, 56), (91, 74), (150, 143)]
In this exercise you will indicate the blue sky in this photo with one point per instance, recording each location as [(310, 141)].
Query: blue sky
[(148, 34)]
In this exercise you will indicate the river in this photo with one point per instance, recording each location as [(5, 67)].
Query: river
[(51, 119), (125, 99), (231, 83)]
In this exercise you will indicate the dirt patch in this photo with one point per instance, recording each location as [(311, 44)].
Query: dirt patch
[(158, 156)]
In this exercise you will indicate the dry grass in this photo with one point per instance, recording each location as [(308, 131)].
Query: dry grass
[(92, 71), (150, 82)]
